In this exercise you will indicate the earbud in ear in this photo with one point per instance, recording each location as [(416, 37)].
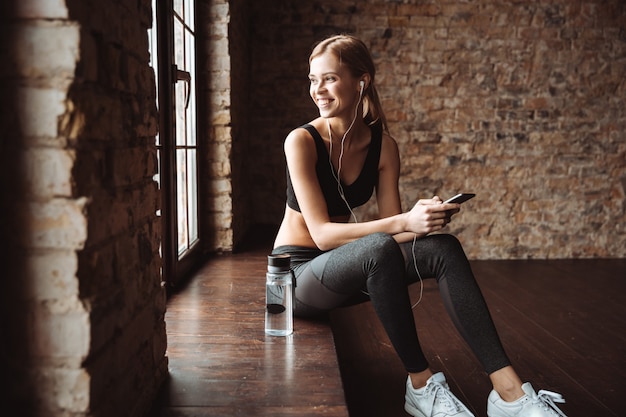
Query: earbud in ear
[(362, 83)]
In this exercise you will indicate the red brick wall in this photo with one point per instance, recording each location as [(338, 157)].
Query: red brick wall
[(519, 102)]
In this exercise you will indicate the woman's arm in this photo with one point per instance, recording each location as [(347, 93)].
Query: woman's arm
[(428, 219), (299, 151)]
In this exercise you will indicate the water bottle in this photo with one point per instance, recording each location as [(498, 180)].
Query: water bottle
[(279, 293)]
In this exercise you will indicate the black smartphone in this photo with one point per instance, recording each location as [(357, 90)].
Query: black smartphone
[(460, 198)]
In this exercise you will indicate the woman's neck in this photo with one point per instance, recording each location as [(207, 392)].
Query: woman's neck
[(340, 129)]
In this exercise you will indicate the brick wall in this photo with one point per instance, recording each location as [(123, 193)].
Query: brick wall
[(216, 125), (520, 102), (83, 328), (224, 84)]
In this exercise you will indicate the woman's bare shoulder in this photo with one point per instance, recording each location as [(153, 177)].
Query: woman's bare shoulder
[(389, 147), (300, 138)]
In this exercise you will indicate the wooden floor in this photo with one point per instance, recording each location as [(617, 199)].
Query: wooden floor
[(221, 362), (562, 323)]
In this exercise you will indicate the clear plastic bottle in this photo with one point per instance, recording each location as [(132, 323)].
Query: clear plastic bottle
[(279, 296)]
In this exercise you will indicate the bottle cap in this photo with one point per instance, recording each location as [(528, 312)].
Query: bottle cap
[(280, 261)]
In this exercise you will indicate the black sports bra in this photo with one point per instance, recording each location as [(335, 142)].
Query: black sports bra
[(357, 193)]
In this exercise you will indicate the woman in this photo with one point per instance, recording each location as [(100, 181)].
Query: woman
[(333, 165)]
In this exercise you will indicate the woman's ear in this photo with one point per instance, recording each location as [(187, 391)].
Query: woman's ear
[(364, 82)]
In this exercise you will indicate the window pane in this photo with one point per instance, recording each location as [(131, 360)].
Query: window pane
[(179, 44), (178, 7), (182, 196), (190, 66), (181, 122), (189, 14), (192, 192)]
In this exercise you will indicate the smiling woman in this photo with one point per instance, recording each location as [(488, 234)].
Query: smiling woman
[(334, 164)]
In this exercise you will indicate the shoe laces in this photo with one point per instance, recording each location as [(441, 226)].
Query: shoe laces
[(443, 394), (547, 400)]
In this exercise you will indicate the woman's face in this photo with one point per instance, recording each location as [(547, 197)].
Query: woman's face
[(333, 88)]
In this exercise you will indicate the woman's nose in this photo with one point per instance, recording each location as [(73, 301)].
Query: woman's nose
[(319, 87)]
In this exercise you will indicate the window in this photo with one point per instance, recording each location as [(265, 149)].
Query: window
[(172, 51), (186, 146)]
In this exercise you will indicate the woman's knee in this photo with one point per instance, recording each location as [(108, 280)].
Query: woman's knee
[(448, 249), (443, 247), (381, 245), (447, 242), (382, 256)]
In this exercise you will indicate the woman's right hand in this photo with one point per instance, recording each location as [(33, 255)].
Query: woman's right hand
[(430, 215)]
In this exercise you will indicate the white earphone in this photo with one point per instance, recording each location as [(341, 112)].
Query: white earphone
[(362, 84)]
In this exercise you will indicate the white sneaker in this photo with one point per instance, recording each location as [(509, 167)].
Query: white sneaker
[(530, 405), (433, 400)]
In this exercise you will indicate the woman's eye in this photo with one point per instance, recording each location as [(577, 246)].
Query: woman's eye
[(326, 80)]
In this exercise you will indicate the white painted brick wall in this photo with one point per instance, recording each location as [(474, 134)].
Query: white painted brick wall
[(82, 234), (39, 110)]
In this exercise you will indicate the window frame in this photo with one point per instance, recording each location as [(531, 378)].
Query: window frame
[(175, 266)]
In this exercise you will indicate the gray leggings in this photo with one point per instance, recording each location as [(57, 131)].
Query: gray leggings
[(382, 268)]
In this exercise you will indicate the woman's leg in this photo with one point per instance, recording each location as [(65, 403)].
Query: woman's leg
[(373, 264), (442, 257), (507, 383)]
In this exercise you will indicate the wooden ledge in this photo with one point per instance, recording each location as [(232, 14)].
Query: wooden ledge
[(222, 363)]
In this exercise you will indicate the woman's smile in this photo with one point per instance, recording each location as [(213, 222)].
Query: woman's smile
[(323, 103)]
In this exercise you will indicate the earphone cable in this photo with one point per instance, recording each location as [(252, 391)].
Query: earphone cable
[(343, 197), (339, 163), (419, 276)]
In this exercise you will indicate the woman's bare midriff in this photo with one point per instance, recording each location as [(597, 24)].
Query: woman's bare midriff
[(293, 230)]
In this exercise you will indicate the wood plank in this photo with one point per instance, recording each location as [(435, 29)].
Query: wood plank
[(252, 410), (561, 321), (556, 335), (222, 363)]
